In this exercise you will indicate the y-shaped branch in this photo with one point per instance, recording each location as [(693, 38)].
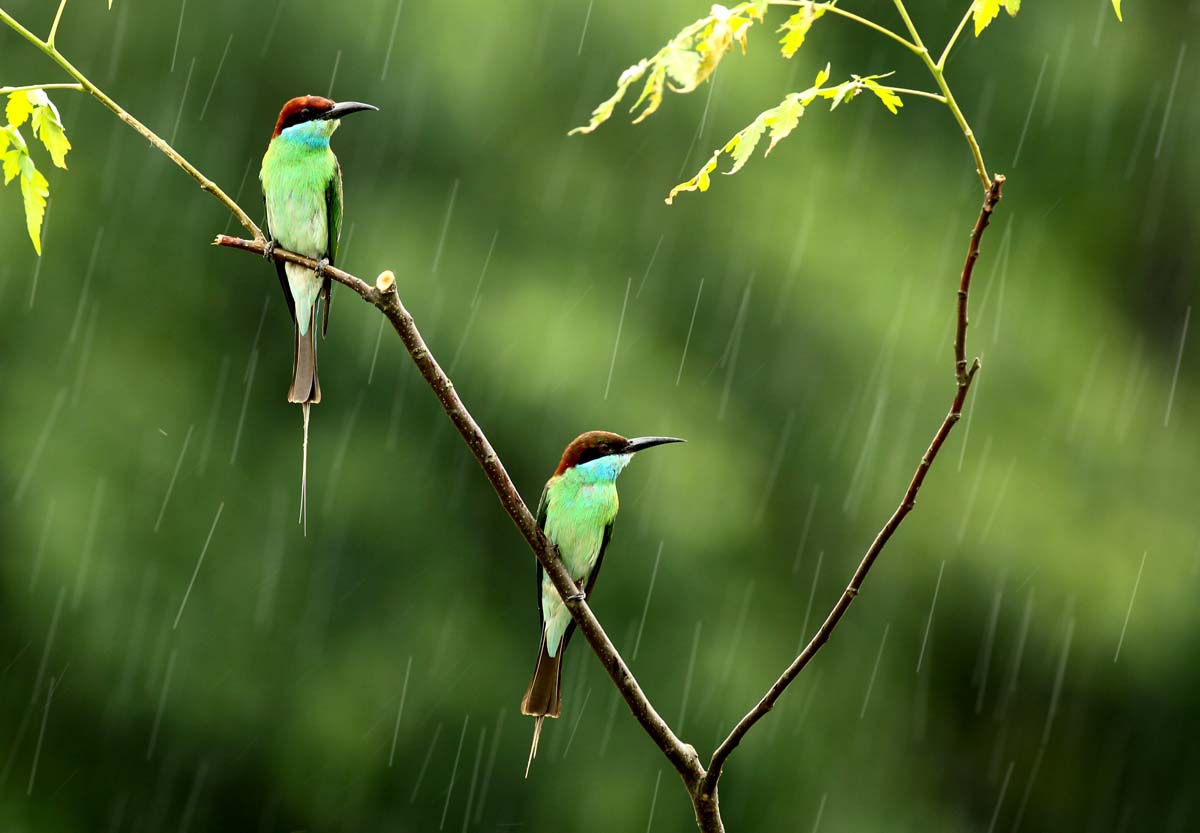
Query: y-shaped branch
[(963, 378)]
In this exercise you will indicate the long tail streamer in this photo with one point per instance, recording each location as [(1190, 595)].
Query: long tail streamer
[(304, 472)]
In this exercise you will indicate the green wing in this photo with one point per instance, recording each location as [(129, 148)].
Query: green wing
[(333, 223)]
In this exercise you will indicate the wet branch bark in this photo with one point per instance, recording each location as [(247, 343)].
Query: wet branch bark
[(384, 297), (963, 376)]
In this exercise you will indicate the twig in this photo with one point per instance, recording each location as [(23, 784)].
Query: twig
[(25, 88), (48, 48), (963, 378), (939, 75), (383, 295)]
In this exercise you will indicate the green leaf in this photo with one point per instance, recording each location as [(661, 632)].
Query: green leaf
[(778, 122), (797, 27), (700, 181), (35, 190), (683, 68), (741, 147), (47, 125), (652, 93), (786, 120), (12, 164), (686, 61), (1117, 9), (16, 162), (985, 11), (605, 108), (889, 97), (19, 108)]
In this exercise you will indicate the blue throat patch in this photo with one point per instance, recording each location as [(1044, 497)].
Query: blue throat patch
[(313, 134), (604, 469)]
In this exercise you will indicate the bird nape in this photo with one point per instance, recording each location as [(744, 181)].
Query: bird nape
[(576, 512), (302, 186)]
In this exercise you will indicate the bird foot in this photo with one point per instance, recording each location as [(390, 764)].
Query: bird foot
[(269, 250), (576, 597), (322, 265)]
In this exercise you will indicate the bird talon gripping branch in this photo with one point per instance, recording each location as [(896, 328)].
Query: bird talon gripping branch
[(577, 597), (322, 265), (269, 250)]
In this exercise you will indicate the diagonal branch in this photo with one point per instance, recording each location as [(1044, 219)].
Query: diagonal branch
[(384, 297), (963, 378)]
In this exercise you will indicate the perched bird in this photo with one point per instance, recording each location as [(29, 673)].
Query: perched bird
[(576, 511), (302, 186)]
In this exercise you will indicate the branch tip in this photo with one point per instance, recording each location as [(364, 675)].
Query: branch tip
[(386, 282)]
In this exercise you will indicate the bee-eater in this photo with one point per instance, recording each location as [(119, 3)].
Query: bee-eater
[(576, 512), (302, 185)]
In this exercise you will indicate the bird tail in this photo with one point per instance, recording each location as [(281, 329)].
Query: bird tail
[(305, 386), (543, 698)]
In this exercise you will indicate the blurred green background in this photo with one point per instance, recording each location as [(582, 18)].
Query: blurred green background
[(818, 368)]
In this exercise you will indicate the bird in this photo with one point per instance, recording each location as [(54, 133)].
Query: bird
[(576, 512), (302, 186)]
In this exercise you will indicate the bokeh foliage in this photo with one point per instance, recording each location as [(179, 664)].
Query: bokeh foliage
[(818, 365)]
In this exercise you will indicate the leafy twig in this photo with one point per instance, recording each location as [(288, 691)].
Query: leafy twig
[(47, 47)]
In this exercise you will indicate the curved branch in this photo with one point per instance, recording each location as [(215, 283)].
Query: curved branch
[(48, 48), (383, 296), (963, 379)]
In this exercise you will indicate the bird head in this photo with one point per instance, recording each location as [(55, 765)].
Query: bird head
[(604, 454), (311, 116)]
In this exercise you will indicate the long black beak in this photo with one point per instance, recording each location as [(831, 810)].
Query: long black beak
[(642, 443), (345, 108)]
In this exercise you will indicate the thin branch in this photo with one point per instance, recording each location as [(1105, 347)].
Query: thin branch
[(962, 24), (54, 26), (963, 379), (30, 87), (383, 295), (922, 93), (206, 184), (936, 70), (870, 24)]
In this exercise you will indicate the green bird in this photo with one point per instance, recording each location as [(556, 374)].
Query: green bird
[(302, 186), (577, 511)]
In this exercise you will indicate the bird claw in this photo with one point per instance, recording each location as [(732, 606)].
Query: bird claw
[(577, 597), (269, 250), (322, 265)]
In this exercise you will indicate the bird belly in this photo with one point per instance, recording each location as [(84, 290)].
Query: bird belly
[(298, 224)]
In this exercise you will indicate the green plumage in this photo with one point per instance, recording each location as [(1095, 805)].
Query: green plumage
[(302, 186)]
